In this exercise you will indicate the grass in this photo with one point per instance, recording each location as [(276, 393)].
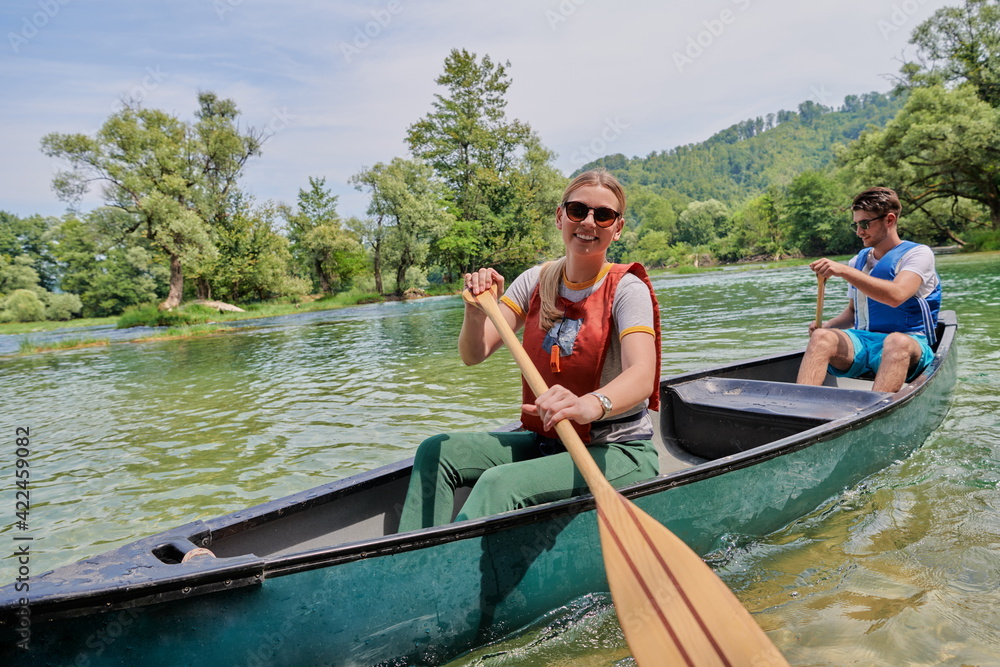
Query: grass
[(151, 316), (191, 314), (28, 347), (190, 331), (15, 328)]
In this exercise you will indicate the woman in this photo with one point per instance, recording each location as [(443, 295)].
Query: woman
[(592, 329)]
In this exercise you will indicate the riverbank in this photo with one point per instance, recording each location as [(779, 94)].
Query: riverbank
[(208, 320), (205, 322)]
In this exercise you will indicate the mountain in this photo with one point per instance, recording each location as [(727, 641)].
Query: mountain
[(743, 160)]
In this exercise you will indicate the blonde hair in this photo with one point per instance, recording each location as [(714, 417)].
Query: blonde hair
[(552, 272)]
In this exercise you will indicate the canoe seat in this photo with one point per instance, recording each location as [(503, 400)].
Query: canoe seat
[(713, 417)]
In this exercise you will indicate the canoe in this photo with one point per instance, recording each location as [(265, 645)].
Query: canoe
[(322, 577)]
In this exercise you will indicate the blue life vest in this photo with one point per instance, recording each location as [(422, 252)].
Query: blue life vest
[(915, 315)]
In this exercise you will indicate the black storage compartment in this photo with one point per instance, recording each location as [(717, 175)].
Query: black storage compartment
[(713, 417)]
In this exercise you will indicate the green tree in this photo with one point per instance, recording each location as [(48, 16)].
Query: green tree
[(498, 173), (30, 237), (63, 306), (409, 207), (758, 229), (958, 45), (107, 273), (329, 253), (458, 248), (254, 259), (467, 138), (225, 151), (653, 249), (649, 211), (172, 178), (943, 145), (702, 222), (17, 273), (817, 212)]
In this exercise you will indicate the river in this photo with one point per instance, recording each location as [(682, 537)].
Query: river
[(134, 438)]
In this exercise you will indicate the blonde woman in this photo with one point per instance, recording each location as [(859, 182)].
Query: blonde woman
[(592, 329)]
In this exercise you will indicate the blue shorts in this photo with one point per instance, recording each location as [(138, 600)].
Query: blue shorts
[(868, 354)]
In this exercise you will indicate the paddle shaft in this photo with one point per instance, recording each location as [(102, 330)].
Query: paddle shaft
[(819, 300), (567, 434)]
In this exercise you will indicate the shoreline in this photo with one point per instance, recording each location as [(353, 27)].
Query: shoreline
[(280, 310)]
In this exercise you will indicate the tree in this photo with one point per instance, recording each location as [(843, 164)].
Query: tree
[(225, 151), (702, 222), (468, 131), (498, 173), (648, 210), (372, 232), (758, 228), (108, 274), (29, 237), (172, 178), (18, 273), (653, 249), (409, 209), (943, 145), (817, 215), (956, 45), (253, 258), (324, 249)]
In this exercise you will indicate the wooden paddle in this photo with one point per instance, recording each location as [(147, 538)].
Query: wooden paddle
[(819, 300), (672, 607)]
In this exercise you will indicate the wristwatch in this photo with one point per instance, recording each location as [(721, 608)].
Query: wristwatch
[(605, 403)]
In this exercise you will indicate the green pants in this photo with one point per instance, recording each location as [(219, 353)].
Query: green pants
[(507, 471)]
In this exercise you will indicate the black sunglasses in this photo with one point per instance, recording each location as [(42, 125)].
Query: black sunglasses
[(603, 216), (863, 224)]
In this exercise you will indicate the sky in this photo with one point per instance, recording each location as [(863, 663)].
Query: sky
[(336, 84)]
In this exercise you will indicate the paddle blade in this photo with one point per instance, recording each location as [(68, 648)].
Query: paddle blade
[(672, 607)]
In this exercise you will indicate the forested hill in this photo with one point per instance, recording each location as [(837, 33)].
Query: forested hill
[(743, 160)]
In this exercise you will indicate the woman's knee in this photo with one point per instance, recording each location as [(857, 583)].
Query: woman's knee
[(441, 447), (429, 450), (492, 493)]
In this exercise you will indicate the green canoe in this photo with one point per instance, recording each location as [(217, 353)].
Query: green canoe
[(323, 578)]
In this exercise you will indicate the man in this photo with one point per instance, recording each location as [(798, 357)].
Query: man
[(895, 294)]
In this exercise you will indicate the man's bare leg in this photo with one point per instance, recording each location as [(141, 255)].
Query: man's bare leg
[(826, 347), (900, 353)]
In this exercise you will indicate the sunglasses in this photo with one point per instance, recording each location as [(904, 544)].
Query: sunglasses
[(863, 224), (577, 211)]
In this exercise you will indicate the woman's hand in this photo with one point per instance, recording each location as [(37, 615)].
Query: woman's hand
[(478, 338), (482, 280), (559, 403)]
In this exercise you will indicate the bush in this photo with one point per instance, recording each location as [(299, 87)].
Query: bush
[(63, 307), (982, 241), (22, 305)]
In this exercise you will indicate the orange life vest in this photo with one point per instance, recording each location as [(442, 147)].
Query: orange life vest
[(583, 337)]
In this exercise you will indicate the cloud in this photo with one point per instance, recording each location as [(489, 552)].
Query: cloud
[(339, 83)]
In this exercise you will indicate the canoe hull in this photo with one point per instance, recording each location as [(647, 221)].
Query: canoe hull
[(427, 600)]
